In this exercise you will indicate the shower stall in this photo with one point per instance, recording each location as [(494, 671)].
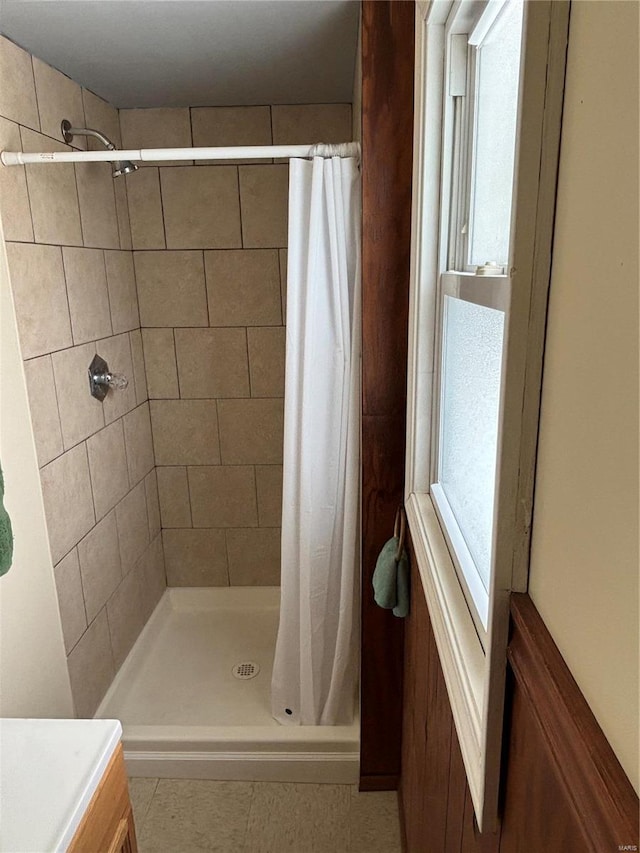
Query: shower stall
[(164, 498)]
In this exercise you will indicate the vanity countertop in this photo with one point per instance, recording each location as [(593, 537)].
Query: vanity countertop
[(49, 770)]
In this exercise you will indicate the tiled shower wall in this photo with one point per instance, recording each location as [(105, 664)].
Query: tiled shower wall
[(209, 246), (72, 275)]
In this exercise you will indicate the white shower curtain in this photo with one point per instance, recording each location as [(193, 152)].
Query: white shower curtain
[(314, 673)]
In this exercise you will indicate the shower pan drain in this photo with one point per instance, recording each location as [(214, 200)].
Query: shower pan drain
[(246, 670)]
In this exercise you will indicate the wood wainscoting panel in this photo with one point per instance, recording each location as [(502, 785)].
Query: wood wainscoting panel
[(566, 790), (563, 790), (435, 801), (387, 142), (382, 632)]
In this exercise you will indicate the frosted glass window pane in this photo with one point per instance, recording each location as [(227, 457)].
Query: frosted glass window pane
[(497, 82), (472, 360)]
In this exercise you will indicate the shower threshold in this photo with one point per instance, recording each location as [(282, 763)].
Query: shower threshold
[(184, 712)]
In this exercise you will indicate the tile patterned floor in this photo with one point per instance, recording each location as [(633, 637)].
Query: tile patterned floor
[(185, 816)]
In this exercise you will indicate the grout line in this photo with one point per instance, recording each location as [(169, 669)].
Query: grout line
[(164, 225), (255, 487), (75, 177), (93, 498), (35, 92), (188, 479), (175, 361), (226, 549), (106, 287), (26, 183), (249, 371), (242, 246)]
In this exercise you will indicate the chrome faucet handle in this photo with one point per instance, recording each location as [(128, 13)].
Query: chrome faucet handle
[(101, 379), (117, 381)]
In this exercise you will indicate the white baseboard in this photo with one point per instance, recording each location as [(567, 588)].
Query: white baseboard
[(324, 767)]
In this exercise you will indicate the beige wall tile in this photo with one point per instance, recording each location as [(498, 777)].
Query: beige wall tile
[(125, 615), (108, 464), (297, 124), (254, 556), (52, 194), (100, 115), (14, 199), (269, 489), (145, 209), (133, 526), (160, 361), (123, 297), (18, 92), (264, 198), (243, 287), (70, 599), (266, 360), (173, 491), (122, 212), (153, 575), (58, 98), (91, 667), (229, 126), (139, 443), (200, 205), (80, 414), (282, 255), (185, 432), (195, 557), (139, 373), (96, 196), (40, 296), (251, 431), (153, 503), (171, 288), (43, 405), (66, 489), (88, 295), (100, 569), (156, 128), (212, 362), (116, 351), (223, 496)]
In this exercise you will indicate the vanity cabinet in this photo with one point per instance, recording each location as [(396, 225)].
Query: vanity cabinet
[(107, 825), (63, 787)]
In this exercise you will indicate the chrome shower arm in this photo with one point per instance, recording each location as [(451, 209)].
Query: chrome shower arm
[(69, 132)]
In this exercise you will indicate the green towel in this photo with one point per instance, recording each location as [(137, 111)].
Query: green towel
[(391, 579), (6, 534)]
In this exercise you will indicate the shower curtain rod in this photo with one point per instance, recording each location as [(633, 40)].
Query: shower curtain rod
[(246, 152)]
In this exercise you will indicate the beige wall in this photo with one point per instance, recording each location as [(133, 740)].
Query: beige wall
[(68, 245), (210, 257), (584, 571), (34, 681)]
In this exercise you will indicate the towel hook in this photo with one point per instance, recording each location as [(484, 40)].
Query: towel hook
[(399, 531)]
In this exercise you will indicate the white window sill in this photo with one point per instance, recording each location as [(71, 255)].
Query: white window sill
[(461, 654)]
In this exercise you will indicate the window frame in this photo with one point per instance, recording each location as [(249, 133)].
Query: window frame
[(475, 674)]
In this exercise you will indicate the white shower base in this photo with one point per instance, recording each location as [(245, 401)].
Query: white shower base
[(185, 715)]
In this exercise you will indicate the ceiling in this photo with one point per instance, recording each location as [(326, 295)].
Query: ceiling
[(167, 53)]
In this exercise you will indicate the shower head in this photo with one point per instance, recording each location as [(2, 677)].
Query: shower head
[(123, 167), (120, 167)]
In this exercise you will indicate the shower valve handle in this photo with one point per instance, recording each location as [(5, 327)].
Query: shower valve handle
[(101, 379)]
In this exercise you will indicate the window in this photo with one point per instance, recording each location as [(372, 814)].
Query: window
[(489, 82), (482, 56)]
